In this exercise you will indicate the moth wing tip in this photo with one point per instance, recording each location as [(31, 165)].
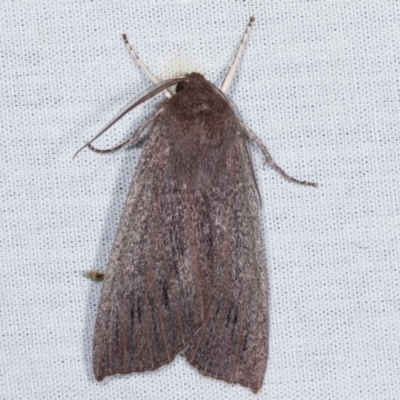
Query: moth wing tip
[(99, 377), (255, 389)]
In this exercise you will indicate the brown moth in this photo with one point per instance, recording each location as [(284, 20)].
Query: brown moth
[(187, 270)]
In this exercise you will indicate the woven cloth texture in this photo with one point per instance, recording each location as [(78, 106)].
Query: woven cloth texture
[(319, 82)]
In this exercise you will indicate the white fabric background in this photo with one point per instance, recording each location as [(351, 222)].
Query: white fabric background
[(319, 82)]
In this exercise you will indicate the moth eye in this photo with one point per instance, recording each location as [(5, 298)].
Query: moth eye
[(180, 86)]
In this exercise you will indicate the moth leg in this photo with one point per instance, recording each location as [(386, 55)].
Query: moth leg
[(139, 62), (94, 275), (270, 161), (229, 76), (132, 140)]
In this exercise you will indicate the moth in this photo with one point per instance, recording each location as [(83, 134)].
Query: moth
[(187, 270)]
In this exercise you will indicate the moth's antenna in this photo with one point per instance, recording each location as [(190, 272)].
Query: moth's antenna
[(229, 76), (139, 62)]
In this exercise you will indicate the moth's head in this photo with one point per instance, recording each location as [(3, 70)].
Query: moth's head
[(192, 81), (195, 96)]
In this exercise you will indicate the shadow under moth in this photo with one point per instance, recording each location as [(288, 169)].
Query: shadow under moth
[(187, 270)]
